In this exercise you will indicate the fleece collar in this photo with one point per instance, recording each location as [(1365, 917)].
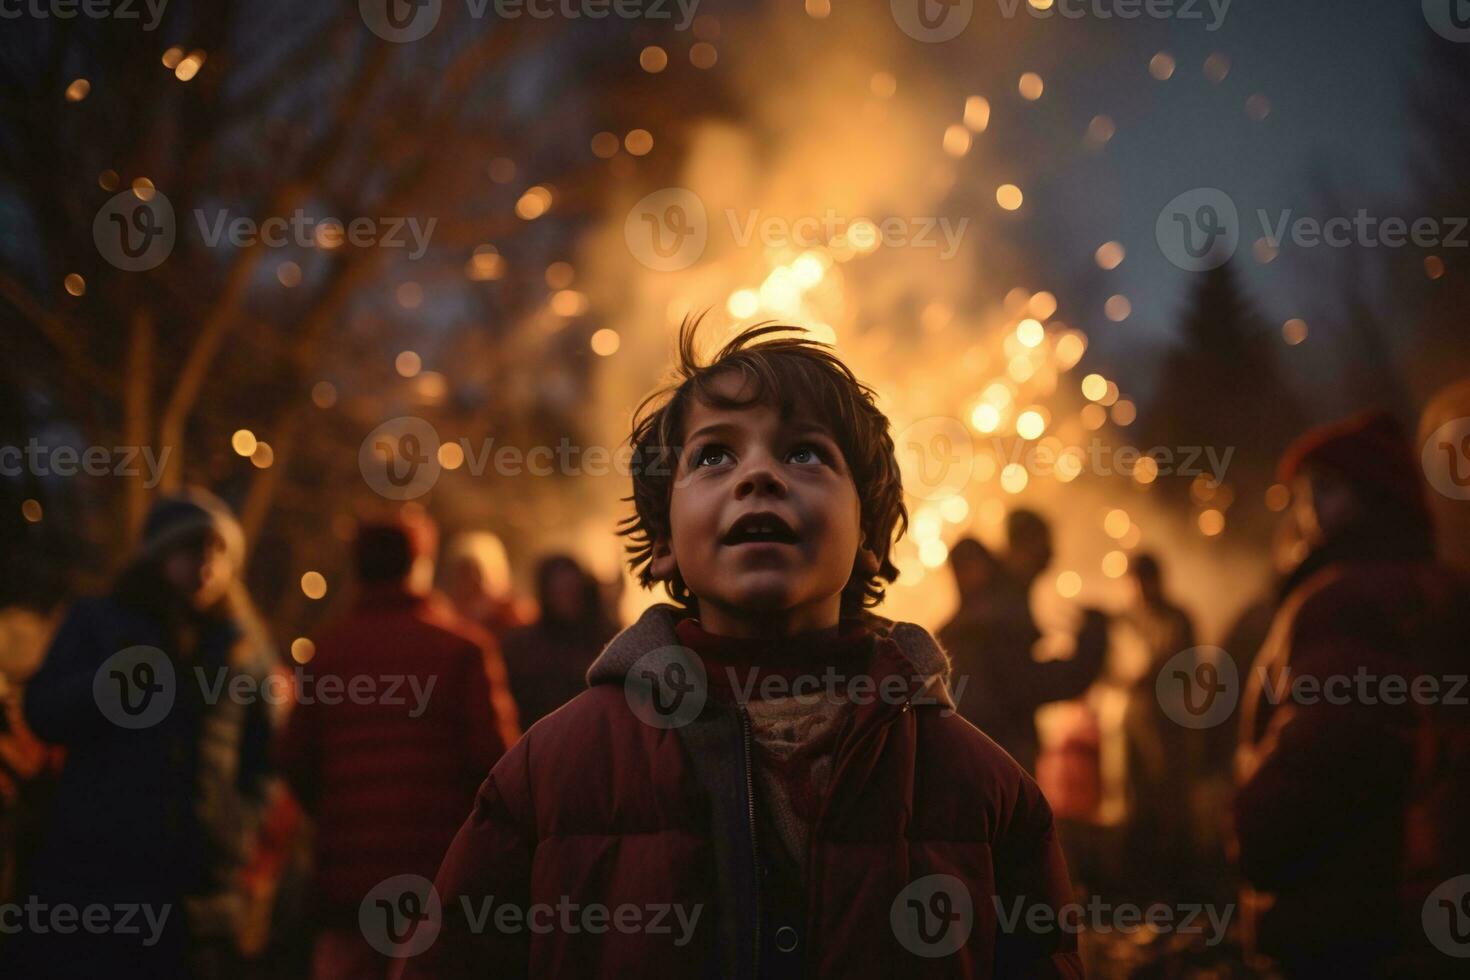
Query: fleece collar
[(652, 641)]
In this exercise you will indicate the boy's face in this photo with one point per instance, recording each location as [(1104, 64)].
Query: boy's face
[(764, 517)]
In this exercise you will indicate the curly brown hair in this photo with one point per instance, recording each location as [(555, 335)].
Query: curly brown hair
[(787, 373)]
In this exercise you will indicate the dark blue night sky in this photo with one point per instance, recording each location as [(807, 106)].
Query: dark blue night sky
[(1338, 77)]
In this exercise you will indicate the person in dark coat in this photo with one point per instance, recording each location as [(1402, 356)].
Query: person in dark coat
[(992, 639), (1330, 763), (1444, 446), (764, 779), (165, 775), (974, 569), (389, 775), (1169, 777), (548, 660)]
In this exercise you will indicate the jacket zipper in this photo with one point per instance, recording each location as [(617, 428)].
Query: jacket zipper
[(754, 843), (856, 738)]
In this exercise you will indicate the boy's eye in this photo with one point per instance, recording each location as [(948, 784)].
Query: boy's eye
[(711, 455), (806, 454)]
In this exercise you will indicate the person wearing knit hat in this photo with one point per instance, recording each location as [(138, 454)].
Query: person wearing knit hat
[(196, 543), (177, 517), (1356, 469), (166, 765), (1328, 767)]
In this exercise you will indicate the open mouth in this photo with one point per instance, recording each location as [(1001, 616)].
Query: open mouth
[(765, 528)]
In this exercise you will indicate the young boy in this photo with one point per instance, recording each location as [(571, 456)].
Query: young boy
[(764, 779)]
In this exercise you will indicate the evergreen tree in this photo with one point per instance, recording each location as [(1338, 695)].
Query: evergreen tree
[(1222, 389)]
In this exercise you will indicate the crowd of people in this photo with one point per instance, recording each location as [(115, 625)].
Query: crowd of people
[(1332, 815), (259, 822), (249, 829)]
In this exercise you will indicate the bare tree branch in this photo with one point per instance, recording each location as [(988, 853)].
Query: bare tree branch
[(58, 332), (227, 309), (137, 409)]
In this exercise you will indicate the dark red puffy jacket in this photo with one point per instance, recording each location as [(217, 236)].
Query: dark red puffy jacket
[(595, 806), (1344, 815)]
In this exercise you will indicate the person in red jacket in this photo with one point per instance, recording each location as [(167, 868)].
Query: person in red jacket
[(1341, 768), (764, 779), (399, 714)]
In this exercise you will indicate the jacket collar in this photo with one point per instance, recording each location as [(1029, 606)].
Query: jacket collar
[(653, 641)]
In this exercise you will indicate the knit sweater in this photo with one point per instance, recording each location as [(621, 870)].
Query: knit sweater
[(793, 690)]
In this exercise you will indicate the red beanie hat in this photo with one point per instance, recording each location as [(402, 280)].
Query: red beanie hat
[(1368, 450)]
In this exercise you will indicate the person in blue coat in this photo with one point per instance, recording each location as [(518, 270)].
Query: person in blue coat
[(157, 692)]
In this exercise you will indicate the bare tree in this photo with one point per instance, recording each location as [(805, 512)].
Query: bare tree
[(477, 136)]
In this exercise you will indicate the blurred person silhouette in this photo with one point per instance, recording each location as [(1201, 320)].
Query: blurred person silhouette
[(1449, 455), (1436, 849), (155, 808), (1168, 772), (991, 645), (1248, 630), (477, 580), (974, 569), (389, 776), (1349, 793), (548, 660), (28, 766), (1164, 626)]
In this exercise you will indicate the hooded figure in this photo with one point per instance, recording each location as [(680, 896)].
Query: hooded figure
[(165, 772), (548, 660), (1336, 756)]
